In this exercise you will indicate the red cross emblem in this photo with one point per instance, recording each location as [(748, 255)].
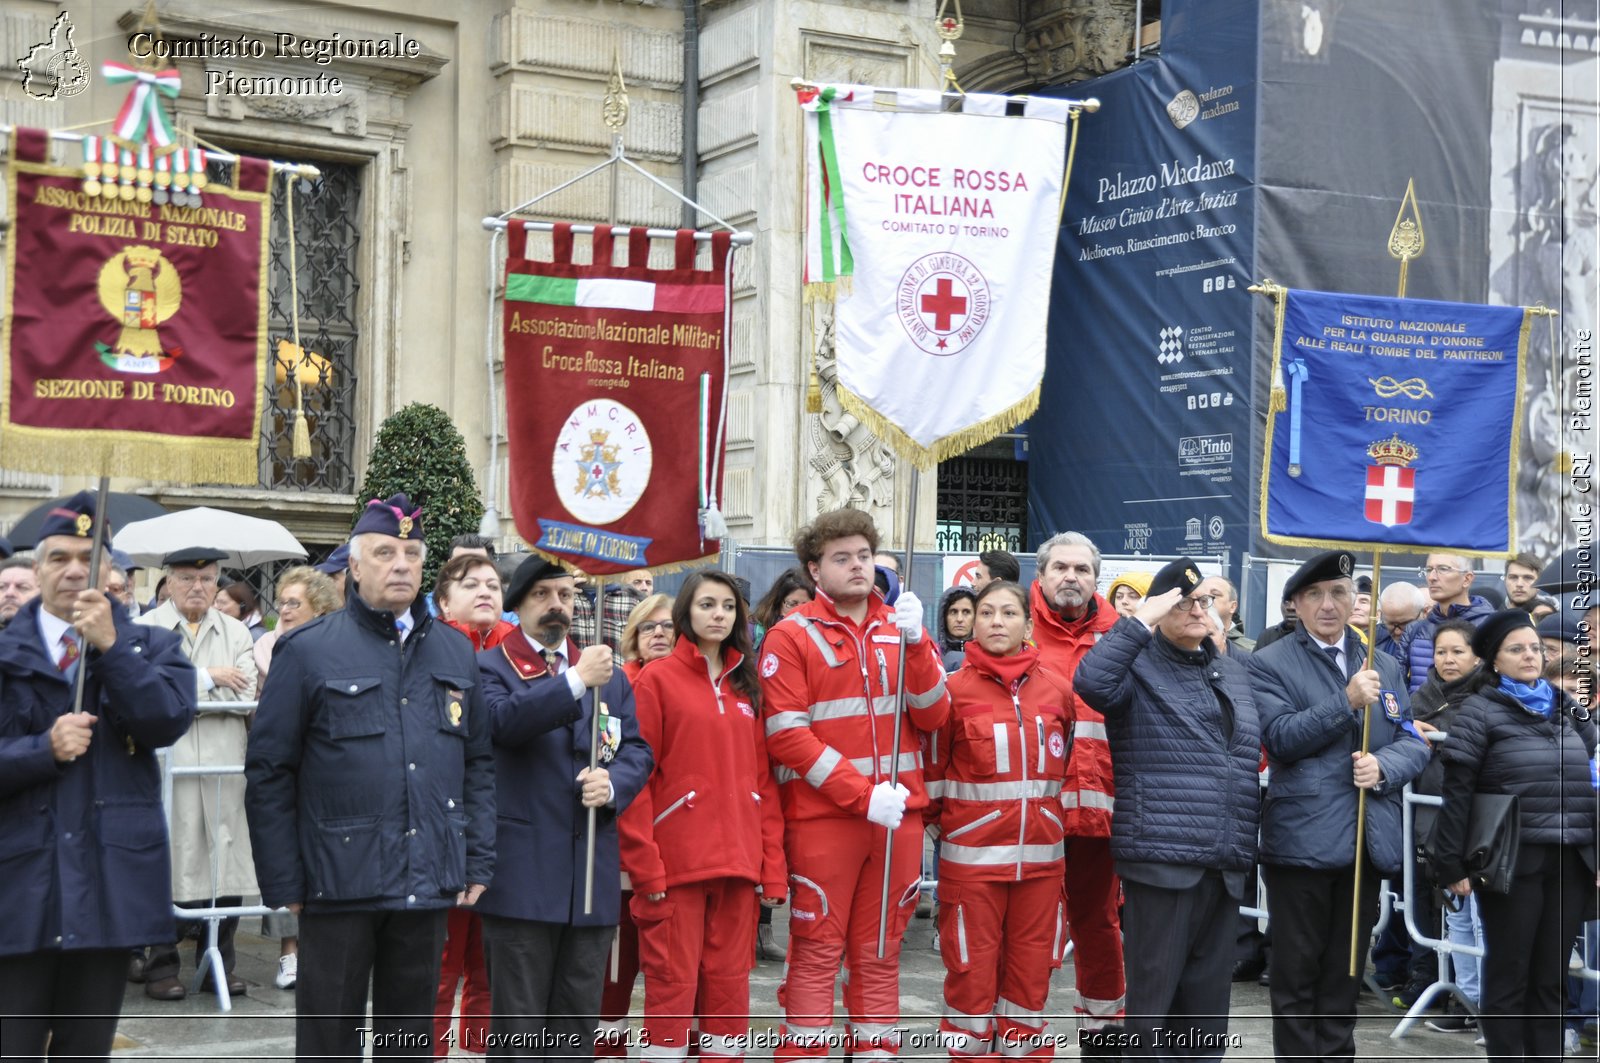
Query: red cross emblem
[(943, 302)]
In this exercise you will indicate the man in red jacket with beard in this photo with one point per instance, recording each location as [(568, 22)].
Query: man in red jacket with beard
[(828, 676), (1069, 617)]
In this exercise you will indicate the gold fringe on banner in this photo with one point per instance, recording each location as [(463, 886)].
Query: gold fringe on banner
[(134, 454), (712, 559), (814, 388), (947, 447)]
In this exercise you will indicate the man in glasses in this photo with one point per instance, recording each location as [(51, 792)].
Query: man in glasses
[(1399, 606), (1449, 581), (1185, 743)]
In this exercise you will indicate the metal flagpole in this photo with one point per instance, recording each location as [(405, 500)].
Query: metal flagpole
[(1406, 241), (899, 711), (598, 707)]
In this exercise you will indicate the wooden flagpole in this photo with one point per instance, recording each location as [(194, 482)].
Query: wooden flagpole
[(1406, 241)]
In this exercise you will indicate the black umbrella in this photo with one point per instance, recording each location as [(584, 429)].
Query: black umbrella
[(120, 508)]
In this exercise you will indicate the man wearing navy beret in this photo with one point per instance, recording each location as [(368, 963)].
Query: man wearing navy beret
[(1312, 687), (86, 875), (371, 797)]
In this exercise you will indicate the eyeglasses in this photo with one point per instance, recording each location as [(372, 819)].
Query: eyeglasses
[(1204, 601), (290, 603), (1396, 629), (1442, 571), (650, 627)]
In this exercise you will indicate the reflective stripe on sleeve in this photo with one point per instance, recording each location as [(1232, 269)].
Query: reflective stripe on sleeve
[(923, 700), (786, 721), (818, 773)]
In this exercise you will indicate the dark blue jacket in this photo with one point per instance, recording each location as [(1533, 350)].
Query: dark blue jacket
[(1416, 644), (541, 743), (1188, 791), (370, 781), (83, 846), (1309, 730)]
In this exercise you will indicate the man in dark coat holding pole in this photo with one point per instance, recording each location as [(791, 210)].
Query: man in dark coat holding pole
[(371, 797), (1311, 688), (1185, 742), (546, 955), (85, 875)]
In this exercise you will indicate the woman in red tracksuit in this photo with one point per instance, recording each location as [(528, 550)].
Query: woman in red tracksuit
[(995, 777), (469, 597), (646, 637), (706, 833)]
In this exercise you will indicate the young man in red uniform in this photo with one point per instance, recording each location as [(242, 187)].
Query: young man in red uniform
[(828, 673), (1069, 617)]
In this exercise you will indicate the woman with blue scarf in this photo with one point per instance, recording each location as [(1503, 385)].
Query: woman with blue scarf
[(1519, 735)]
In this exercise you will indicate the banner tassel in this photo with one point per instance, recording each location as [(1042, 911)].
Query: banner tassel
[(300, 445)]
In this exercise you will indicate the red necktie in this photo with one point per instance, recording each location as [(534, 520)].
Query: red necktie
[(69, 651)]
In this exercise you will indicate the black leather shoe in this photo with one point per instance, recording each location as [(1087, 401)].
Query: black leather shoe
[(1266, 977), (1248, 970), (136, 967), (165, 989)]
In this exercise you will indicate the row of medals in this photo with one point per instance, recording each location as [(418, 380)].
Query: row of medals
[(115, 181)]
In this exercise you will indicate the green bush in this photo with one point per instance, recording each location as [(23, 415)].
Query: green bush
[(420, 452)]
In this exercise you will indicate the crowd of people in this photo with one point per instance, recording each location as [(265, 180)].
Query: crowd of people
[(516, 792)]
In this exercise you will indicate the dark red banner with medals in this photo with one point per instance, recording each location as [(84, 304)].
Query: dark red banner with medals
[(135, 332), (614, 392)]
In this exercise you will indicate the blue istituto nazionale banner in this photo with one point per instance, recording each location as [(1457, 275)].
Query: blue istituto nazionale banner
[(1394, 423)]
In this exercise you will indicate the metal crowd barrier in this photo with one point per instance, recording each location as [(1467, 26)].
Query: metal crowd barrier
[(1442, 945), (213, 915)]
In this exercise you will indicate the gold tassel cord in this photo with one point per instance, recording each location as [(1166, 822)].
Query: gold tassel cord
[(300, 448)]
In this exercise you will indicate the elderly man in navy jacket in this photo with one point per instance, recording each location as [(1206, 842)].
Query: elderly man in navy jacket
[(82, 836), (371, 797), (546, 955), (1185, 744), (1311, 688)]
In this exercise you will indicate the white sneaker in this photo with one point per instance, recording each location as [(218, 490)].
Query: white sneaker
[(288, 971), (1571, 1043)]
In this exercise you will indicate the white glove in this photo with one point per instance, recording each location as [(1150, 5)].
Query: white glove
[(908, 616), (888, 805)]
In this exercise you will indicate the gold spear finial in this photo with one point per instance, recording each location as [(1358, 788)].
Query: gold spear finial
[(1406, 239), (614, 111)]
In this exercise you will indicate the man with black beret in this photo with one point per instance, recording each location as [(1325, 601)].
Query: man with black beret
[(86, 874), (546, 956), (1312, 687), (207, 813), (371, 797), (1185, 747)]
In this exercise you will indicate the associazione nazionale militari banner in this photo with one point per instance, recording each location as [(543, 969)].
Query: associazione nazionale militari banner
[(934, 233), (1395, 423), (614, 391), (135, 332)]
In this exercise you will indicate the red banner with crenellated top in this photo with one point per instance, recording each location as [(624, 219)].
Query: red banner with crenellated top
[(135, 332)]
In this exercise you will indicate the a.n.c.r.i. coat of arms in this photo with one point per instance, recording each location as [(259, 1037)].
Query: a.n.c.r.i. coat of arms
[(602, 461)]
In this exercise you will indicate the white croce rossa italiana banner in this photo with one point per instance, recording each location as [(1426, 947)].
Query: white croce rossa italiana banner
[(935, 233)]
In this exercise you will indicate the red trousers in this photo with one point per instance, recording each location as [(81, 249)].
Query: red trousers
[(999, 941), (1092, 893), (696, 948), (616, 999), (836, 883), (463, 959)]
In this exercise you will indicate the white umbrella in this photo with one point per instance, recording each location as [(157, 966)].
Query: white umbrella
[(249, 541)]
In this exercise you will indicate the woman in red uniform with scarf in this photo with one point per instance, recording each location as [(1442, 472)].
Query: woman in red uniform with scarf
[(995, 777), (706, 834)]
